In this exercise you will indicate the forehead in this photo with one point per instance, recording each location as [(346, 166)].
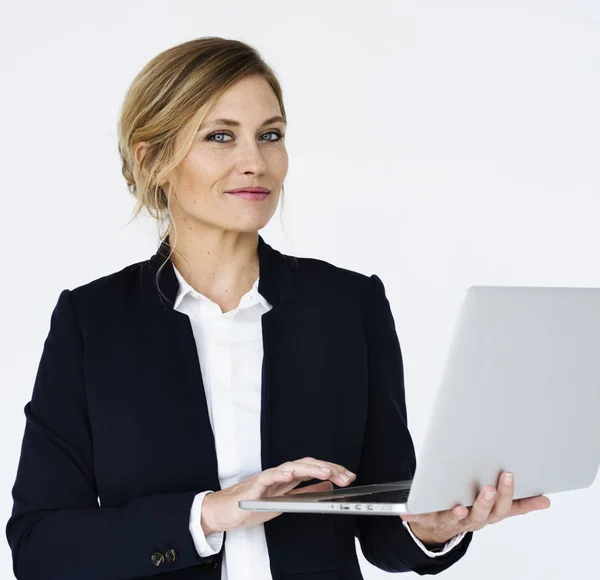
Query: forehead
[(250, 97), (236, 123)]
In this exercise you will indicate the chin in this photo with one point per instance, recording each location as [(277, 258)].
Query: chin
[(236, 221), (251, 223), (247, 225), (251, 227)]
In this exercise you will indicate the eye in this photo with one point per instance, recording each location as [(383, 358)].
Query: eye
[(218, 133), (223, 133), (275, 132)]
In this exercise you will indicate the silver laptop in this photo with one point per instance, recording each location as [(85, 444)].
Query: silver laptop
[(520, 392)]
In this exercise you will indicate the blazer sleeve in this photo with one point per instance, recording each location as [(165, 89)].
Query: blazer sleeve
[(388, 453), (57, 530)]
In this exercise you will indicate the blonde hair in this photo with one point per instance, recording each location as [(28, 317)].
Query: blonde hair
[(178, 86)]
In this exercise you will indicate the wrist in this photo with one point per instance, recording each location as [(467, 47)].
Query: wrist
[(205, 516), (427, 539)]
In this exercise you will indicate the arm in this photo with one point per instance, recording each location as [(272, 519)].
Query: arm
[(388, 453), (57, 530)]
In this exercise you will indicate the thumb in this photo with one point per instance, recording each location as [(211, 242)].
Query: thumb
[(321, 486)]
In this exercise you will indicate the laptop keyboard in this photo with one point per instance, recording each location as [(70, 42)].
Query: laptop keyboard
[(396, 496)]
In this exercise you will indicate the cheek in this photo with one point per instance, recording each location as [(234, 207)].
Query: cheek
[(201, 168), (279, 163), (198, 177)]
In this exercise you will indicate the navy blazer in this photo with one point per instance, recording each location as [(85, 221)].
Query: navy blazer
[(118, 417)]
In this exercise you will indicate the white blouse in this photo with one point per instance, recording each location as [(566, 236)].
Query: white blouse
[(230, 353)]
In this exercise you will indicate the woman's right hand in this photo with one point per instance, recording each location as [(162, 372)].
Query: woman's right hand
[(220, 510)]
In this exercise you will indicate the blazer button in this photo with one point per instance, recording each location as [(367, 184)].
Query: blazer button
[(171, 556), (208, 566), (158, 559)]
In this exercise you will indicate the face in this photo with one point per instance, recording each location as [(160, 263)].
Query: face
[(223, 157)]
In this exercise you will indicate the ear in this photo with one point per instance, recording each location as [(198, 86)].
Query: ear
[(139, 151)]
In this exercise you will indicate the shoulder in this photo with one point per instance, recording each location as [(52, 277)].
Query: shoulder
[(315, 267), (114, 287), (325, 279)]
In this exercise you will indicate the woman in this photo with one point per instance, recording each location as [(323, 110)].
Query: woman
[(174, 388)]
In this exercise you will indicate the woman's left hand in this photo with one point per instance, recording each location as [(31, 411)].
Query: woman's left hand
[(492, 506)]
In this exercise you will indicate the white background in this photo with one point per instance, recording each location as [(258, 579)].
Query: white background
[(437, 144)]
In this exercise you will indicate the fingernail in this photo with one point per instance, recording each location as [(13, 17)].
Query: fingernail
[(489, 495), (344, 476), (508, 478)]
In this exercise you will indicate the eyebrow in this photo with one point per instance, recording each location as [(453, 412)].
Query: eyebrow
[(232, 123)]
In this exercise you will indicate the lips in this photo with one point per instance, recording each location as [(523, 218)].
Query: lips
[(248, 190)]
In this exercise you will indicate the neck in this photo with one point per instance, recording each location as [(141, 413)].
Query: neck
[(216, 262)]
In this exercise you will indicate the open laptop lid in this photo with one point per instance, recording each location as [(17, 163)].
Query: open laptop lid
[(520, 392)]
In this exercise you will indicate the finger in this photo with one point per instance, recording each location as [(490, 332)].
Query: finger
[(335, 468), (296, 472), (483, 505), (303, 471), (323, 463), (321, 486), (503, 503), (322, 470), (457, 513), (274, 476), (528, 504)]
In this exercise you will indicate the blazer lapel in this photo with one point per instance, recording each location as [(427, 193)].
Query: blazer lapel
[(172, 343), (174, 414)]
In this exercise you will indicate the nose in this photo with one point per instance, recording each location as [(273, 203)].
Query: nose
[(251, 159)]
